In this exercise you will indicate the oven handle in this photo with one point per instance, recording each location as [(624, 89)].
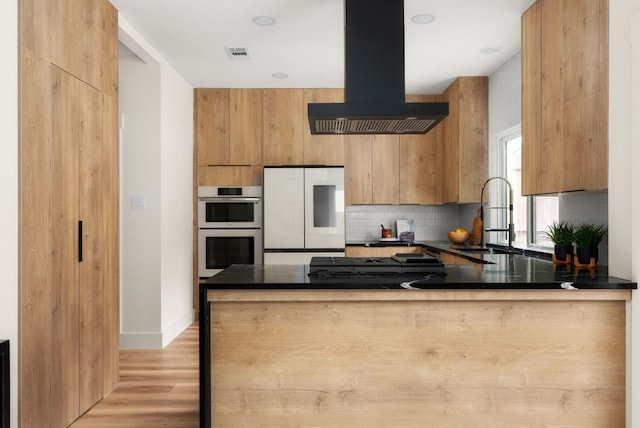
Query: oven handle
[(229, 199)]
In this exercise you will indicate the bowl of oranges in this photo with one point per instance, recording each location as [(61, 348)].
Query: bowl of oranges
[(458, 236)]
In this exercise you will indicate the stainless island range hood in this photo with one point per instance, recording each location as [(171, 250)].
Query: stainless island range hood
[(374, 78)]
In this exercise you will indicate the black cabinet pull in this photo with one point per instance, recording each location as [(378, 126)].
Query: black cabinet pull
[(80, 240)]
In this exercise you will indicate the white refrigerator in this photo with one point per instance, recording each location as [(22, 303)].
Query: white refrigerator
[(303, 213)]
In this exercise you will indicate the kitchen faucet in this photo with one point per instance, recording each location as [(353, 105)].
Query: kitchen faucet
[(510, 228)]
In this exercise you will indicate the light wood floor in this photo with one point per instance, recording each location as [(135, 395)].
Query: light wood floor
[(158, 388)]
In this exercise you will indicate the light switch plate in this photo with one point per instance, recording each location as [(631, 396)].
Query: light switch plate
[(138, 202)]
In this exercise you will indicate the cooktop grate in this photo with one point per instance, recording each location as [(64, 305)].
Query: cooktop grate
[(398, 264)]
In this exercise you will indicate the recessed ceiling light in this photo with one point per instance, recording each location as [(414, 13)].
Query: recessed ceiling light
[(279, 75), (423, 18), (264, 21), (490, 49)]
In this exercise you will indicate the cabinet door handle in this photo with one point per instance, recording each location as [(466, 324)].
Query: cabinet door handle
[(79, 240)]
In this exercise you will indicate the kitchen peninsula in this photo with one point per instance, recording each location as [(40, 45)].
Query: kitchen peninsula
[(511, 341)]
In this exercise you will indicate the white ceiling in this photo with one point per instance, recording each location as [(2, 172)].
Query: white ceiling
[(307, 41)]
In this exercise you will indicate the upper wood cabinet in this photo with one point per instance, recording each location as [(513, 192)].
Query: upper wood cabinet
[(404, 169), (358, 170), (565, 96), (287, 138), (418, 164), (76, 35), (282, 127), (372, 169), (391, 169), (462, 141), (322, 149), (228, 126), (212, 126), (245, 130), (379, 169), (385, 169)]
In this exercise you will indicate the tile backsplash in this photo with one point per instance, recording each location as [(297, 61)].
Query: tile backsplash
[(431, 222)]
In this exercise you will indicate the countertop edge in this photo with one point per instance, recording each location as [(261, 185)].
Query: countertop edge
[(302, 295)]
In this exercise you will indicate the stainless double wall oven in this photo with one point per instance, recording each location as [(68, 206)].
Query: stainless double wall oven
[(229, 227)]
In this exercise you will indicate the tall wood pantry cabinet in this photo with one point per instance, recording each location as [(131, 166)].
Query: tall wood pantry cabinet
[(68, 209), (565, 96), (78, 244)]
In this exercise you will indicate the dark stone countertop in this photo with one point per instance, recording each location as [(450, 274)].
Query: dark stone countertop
[(492, 271)]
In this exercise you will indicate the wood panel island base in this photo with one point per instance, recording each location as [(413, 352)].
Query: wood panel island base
[(278, 350)]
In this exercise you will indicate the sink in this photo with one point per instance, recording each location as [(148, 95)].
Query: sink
[(474, 250), (490, 250)]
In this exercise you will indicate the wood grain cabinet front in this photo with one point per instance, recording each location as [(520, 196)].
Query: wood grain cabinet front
[(211, 109), (418, 169), (228, 127), (68, 258), (362, 251), (372, 169), (392, 169), (462, 141), (282, 127), (565, 96), (322, 149), (402, 358), (78, 246)]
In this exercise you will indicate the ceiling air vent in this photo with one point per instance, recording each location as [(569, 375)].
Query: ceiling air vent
[(238, 53)]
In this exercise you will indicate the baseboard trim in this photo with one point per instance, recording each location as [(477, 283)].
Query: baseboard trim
[(157, 340), (178, 327)]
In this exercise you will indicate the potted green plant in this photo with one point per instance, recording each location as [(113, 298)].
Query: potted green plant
[(561, 234), (587, 237)]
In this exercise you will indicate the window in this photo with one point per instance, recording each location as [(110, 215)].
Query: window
[(531, 214), (513, 173), (545, 211)]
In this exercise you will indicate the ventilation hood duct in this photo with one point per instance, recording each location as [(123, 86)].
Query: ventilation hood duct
[(374, 78)]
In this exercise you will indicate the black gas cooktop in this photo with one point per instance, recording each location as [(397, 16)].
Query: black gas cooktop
[(395, 265)]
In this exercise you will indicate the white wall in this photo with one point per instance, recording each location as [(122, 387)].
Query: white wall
[(624, 191), (622, 159), (9, 190), (505, 99), (505, 112), (630, 242), (176, 174), (140, 177), (505, 95), (156, 106)]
